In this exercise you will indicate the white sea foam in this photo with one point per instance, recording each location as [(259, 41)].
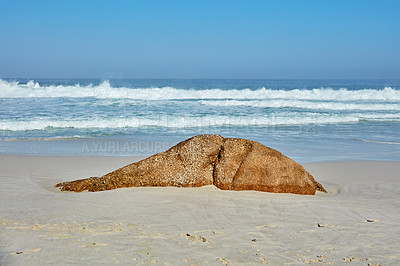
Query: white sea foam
[(105, 90), (304, 105), (196, 121), (379, 142)]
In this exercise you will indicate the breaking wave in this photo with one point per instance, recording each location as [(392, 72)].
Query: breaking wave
[(195, 122), (105, 90), (339, 106)]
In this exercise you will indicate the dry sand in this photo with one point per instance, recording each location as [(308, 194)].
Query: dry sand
[(356, 223)]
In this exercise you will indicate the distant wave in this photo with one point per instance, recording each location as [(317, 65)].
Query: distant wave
[(340, 106), (105, 90), (195, 121)]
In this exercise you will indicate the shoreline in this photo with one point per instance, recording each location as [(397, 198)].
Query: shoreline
[(357, 221)]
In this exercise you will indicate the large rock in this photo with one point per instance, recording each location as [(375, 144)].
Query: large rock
[(228, 163)]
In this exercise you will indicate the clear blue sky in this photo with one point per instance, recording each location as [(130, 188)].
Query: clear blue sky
[(200, 39)]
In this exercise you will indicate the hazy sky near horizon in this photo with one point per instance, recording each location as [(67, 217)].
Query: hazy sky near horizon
[(200, 39)]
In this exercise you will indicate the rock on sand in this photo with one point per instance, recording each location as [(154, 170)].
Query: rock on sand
[(227, 163)]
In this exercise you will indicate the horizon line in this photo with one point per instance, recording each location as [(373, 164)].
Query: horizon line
[(160, 78)]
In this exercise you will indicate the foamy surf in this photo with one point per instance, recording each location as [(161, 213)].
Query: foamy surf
[(194, 121), (303, 119), (304, 104), (105, 90)]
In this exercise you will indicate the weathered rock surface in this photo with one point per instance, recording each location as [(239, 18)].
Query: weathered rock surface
[(228, 163)]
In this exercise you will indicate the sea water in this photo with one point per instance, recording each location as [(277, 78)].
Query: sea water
[(308, 120)]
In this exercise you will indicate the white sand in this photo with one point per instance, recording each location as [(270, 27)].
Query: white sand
[(182, 226)]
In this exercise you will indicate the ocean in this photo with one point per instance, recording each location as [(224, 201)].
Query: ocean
[(307, 120)]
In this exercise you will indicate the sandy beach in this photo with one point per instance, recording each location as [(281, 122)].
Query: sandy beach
[(223, 96), (357, 222)]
